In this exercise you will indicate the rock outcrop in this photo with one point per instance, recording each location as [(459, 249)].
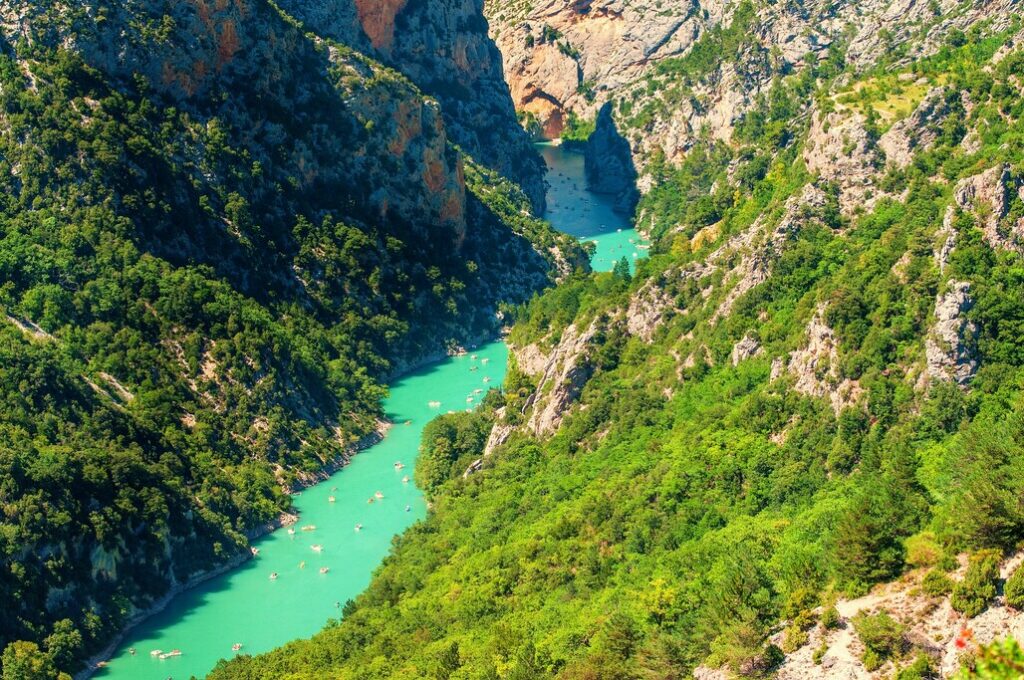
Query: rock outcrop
[(932, 627), (815, 367), (950, 346), (566, 371), (918, 131), (444, 48), (609, 163), (988, 195)]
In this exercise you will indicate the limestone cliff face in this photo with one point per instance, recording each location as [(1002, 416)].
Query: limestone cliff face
[(444, 48), (565, 56)]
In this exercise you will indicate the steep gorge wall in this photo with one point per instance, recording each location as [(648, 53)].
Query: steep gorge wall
[(444, 48)]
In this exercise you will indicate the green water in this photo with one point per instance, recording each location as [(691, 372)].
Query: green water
[(245, 606), (585, 215)]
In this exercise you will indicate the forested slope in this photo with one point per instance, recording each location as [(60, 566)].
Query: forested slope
[(219, 236), (811, 387)]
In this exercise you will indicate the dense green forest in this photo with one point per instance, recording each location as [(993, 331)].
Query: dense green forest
[(697, 496), (212, 259)]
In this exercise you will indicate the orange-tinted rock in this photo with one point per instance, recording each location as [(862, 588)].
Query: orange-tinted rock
[(378, 20)]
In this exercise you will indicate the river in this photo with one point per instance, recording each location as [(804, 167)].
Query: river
[(246, 606)]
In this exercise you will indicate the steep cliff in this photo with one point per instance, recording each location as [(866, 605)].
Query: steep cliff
[(810, 389), (220, 234), (443, 47)]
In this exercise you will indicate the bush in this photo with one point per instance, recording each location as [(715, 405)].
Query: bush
[(1014, 589), (882, 637), (936, 583), (972, 595), (795, 638), (997, 661), (920, 669), (923, 550), (830, 617), (819, 653)]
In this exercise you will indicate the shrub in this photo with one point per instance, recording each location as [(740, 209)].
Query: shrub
[(936, 583), (995, 662), (795, 638), (882, 637), (830, 617), (972, 595), (920, 669), (923, 550), (1014, 589), (819, 653)]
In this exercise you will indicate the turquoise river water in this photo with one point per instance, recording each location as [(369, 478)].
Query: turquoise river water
[(245, 606)]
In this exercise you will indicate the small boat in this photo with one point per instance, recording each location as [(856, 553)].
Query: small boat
[(131, 650), (358, 527), (302, 564), (408, 422), (484, 360), (334, 488), (168, 655), (433, 404), (291, 532), (316, 547), (486, 379), (235, 647), (309, 527), (405, 480), (408, 508), (331, 499), (473, 368), (399, 465), (378, 495), (156, 652), (370, 499), (324, 570), (472, 358), (255, 551), (477, 391), (469, 400), (273, 576)]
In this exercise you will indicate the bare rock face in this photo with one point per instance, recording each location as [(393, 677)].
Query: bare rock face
[(988, 195), (444, 48), (745, 349), (762, 248), (609, 163), (815, 367), (841, 150), (566, 372), (917, 132), (949, 348)]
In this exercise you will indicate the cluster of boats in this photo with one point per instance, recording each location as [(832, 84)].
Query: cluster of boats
[(161, 654)]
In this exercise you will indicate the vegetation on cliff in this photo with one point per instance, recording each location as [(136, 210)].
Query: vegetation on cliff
[(211, 260), (779, 407)]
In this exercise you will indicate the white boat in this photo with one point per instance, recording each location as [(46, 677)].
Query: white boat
[(434, 404), (331, 499), (358, 527), (484, 360), (291, 532), (173, 652), (486, 379), (405, 479), (316, 547), (469, 400), (255, 551), (324, 570), (378, 495), (235, 647), (156, 652), (309, 527), (273, 576)]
